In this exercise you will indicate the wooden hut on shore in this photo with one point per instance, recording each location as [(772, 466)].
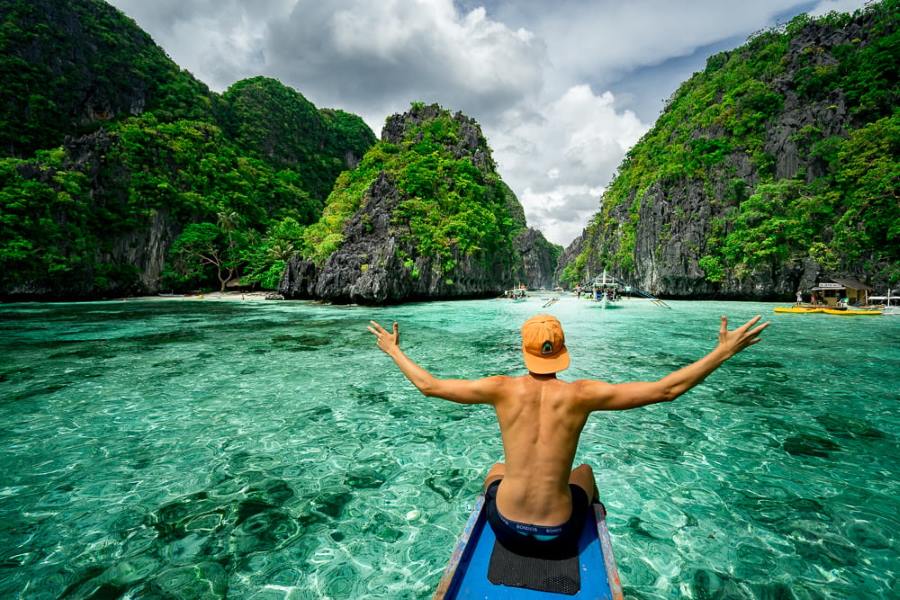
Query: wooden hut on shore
[(834, 291)]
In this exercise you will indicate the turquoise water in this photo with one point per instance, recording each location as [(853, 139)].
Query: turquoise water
[(269, 450)]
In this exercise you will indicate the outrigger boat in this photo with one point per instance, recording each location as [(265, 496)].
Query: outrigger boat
[(481, 568), (517, 294), (606, 291), (550, 302)]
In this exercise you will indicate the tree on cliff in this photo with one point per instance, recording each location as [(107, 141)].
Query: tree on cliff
[(266, 258), (70, 67), (275, 123), (206, 245)]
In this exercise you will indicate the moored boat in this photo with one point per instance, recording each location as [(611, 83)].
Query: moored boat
[(606, 290), (478, 561), (517, 294)]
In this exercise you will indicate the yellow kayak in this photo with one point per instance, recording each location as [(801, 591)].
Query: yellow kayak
[(806, 310), (800, 310)]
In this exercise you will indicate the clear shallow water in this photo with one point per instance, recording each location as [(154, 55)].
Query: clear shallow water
[(269, 450)]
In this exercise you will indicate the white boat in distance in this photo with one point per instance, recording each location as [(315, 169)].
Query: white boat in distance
[(607, 290), (890, 303)]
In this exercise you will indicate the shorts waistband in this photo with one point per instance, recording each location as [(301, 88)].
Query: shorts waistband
[(531, 529)]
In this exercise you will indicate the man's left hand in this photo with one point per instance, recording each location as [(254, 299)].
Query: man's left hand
[(387, 341)]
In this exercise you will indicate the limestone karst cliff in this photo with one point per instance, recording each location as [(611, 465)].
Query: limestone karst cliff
[(775, 164), (424, 215), (110, 154)]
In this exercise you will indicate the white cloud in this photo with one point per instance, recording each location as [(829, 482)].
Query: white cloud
[(826, 6), (600, 40), (219, 41), (559, 156), (561, 212), (375, 57), (541, 81)]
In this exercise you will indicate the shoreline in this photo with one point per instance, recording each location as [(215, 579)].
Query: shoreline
[(260, 296), (211, 296)]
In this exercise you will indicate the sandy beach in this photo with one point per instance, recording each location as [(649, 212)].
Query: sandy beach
[(210, 297)]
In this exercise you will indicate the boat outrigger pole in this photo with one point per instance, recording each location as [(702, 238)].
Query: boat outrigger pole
[(604, 283), (649, 297), (631, 289)]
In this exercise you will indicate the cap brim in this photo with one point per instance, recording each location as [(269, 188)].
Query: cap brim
[(544, 365)]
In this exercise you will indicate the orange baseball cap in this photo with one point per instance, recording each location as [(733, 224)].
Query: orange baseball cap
[(544, 345)]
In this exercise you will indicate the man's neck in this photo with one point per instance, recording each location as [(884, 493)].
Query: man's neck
[(542, 377)]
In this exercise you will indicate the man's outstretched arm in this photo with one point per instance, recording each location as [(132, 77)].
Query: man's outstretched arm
[(598, 395), (463, 391)]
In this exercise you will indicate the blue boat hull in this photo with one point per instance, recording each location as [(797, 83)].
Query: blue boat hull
[(466, 576)]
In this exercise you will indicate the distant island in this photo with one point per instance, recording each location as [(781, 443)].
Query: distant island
[(121, 174)]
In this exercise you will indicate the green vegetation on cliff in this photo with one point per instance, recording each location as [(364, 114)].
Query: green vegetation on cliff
[(68, 67), (835, 196), (448, 202), (152, 155), (276, 123), (63, 215)]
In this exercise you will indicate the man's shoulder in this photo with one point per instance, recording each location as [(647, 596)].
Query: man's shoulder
[(501, 380), (504, 383), (581, 388)]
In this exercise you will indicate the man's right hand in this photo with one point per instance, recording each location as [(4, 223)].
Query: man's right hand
[(732, 342), (387, 341)]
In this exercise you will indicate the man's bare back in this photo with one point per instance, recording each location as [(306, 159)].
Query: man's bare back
[(540, 422), (541, 417)]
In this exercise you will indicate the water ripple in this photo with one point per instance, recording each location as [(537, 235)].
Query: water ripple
[(207, 450)]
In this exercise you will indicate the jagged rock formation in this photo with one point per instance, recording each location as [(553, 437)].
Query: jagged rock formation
[(142, 249), (368, 269), (467, 142), (539, 259), (568, 257), (766, 169), (424, 216)]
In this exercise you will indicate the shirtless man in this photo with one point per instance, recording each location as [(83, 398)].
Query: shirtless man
[(541, 503)]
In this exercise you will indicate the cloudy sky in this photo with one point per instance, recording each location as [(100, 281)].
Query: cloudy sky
[(561, 94)]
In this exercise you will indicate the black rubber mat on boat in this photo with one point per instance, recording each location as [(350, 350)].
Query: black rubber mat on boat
[(558, 575)]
